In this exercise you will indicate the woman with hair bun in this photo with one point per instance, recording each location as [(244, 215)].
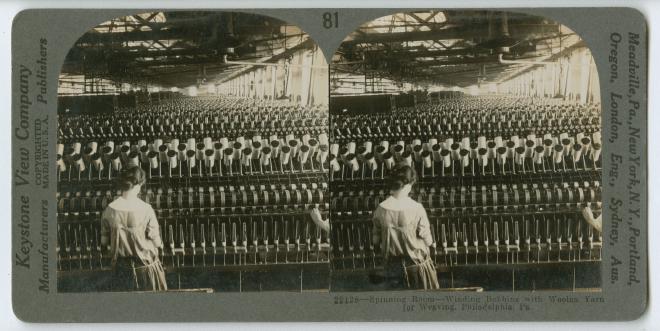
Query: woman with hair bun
[(129, 225), (402, 231)]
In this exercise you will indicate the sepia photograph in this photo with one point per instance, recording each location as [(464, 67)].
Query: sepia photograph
[(465, 155), (193, 155), (329, 164)]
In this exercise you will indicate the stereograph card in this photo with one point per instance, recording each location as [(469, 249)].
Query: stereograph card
[(329, 164)]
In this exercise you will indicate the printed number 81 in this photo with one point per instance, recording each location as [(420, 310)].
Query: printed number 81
[(330, 20)]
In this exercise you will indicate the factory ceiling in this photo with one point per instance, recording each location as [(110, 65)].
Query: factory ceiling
[(450, 48), (178, 49)]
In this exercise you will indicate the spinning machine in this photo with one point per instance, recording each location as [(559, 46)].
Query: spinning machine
[(503, 181), (231, 181)]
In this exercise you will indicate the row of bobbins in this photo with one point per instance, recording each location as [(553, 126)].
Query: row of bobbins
[(203, 199), (530, 153), (504, 197), (256, 153)]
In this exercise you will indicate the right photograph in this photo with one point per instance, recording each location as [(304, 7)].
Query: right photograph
[(465, 155)]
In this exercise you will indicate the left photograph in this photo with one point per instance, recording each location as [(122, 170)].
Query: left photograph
[(192, 156)]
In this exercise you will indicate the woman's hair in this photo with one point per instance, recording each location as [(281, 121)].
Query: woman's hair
[(129, 177), (401, 175)]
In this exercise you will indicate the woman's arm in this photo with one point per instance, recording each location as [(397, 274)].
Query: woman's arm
[(424, 227), (105, 228), (376, 231), (153, 229)]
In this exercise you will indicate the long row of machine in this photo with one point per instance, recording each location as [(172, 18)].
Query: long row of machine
[(231, 180), (503, 181)]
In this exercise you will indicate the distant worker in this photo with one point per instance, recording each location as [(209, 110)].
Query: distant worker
[(595, 222), (318, 219)]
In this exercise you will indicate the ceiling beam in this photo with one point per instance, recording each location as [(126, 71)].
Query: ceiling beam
[(408, 54), (553, 57), (307, 44), (458, 32)]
